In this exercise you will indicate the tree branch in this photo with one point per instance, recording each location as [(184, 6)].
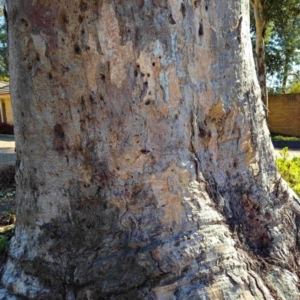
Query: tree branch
[(294, 74)]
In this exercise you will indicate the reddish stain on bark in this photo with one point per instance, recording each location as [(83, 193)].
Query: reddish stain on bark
[(42, 15)]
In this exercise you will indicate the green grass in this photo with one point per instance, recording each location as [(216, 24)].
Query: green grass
[(289, 169), (9, 213)]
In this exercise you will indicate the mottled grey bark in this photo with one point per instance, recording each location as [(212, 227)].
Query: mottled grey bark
[(145, 168)]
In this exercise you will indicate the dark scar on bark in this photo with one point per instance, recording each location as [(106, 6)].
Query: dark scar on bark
[(58, 131), (200, 31), (183, 10), (171, 20)]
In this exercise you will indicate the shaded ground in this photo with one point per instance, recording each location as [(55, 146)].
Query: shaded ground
[(7, 148), (7, 192), (7, 208)]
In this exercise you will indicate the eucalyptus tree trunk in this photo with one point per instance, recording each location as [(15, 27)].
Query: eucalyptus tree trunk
[(145, 168), (260, 28)]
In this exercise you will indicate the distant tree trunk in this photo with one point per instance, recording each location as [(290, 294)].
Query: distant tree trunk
[(285, 75), (145, 168), (260, 28)]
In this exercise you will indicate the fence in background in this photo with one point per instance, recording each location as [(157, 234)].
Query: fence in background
[(284, 114)]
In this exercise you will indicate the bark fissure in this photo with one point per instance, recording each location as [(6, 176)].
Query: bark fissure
[(192, 148)]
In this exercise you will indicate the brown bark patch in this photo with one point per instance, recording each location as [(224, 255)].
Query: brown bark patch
[(217, 111), (42, 16)]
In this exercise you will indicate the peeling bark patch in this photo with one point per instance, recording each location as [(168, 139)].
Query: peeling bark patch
[(41, 17)]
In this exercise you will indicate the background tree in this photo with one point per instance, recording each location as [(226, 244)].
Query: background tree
[(280, 15), (295, 85), (282, 53), (144, 164), (4, 75)]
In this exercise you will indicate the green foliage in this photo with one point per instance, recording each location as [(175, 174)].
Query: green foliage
[(275, 10), (7, 194), (282, 52), (4, 78), (289, 170), (9, 213), (295, 88), (4, 75), (282, 40), (285, 138), (5, 237), (3, 243), (3, 51)]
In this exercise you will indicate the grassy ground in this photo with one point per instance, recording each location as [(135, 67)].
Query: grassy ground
[(7, 208)]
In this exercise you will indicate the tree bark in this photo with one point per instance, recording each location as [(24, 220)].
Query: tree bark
[(145, 168), (260, 27)]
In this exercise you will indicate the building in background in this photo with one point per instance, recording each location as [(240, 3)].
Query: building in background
[(6, 115)]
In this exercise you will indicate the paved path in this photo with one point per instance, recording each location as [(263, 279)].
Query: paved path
[(7, 148)]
